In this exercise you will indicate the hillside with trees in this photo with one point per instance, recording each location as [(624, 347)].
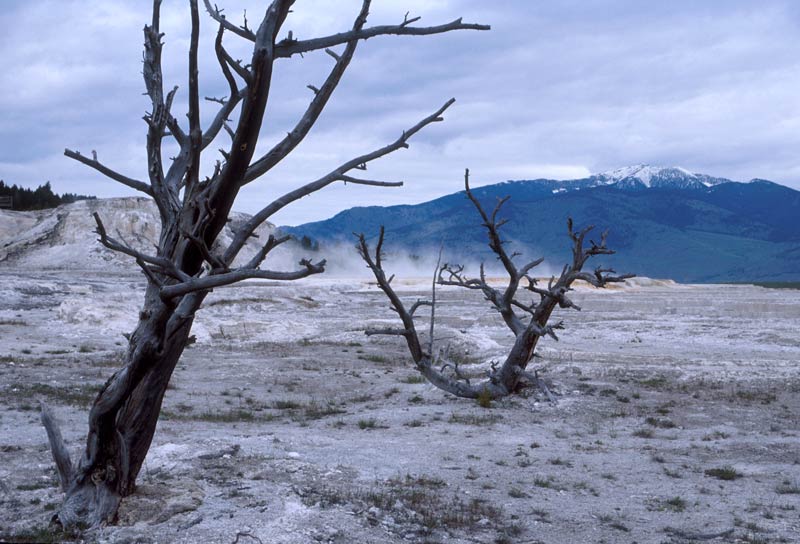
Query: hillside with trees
[(37, 199)]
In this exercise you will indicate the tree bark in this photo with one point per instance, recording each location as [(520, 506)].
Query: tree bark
[(123, 417)]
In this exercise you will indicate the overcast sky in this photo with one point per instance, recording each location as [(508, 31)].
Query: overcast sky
[(556, 89)]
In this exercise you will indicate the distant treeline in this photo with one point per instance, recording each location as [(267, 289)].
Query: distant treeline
[(37, 199)]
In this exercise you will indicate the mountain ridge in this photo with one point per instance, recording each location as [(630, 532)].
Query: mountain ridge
[(664, 221)]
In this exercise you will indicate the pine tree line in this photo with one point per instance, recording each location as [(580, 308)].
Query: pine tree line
[(37, 199)]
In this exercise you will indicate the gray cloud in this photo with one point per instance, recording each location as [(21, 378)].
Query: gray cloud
[(557, 89)]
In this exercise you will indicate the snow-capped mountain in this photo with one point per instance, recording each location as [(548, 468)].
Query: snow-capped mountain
[(646, 176), (664, 222)]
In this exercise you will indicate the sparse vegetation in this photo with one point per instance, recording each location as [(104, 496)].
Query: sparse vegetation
[(422, 500), (788, 487), (485, 399), (655, 382), (661, 423), (558, 461), (78, 395), (286, 405), (675, 504), (723, 473), (472, 419), (223, 416), (12, 322), (37, 535), (370, 424), (373, 358)]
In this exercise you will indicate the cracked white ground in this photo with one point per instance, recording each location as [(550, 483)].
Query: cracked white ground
[(285, 423)]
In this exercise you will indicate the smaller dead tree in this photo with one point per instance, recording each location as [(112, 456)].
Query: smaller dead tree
[(528, 321)]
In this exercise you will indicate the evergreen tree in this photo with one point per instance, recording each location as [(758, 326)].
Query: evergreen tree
[(37, 199)]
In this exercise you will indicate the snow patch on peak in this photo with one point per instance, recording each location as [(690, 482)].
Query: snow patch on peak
[(644, 173), (673, 177)]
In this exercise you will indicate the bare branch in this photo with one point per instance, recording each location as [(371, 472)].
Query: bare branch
[(217, 15), (407, 21), (530, 266), (433, 296), (94, 163), (57, 447), (334, 175), (373, 183), (215, 262), (157, 118), (534, 378), (410, 334), (261, 254), (221, 118), (495, 242), (195, 133), (387, 331), (226, 61), (287, 48), (418, 304), (379, 252), (456, 371), (321, 97), (223, 60), (163, 265), (206, 283)]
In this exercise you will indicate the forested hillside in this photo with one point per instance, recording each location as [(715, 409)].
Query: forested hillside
[(36, 199)]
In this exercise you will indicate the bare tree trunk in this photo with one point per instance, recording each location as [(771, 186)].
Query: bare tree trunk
[(123, 418), (187, 264)]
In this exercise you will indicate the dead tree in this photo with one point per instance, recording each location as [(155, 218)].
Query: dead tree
[(528, 321), (186, 264)]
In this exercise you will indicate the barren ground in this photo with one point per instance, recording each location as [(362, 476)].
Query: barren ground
[(678, 418)]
